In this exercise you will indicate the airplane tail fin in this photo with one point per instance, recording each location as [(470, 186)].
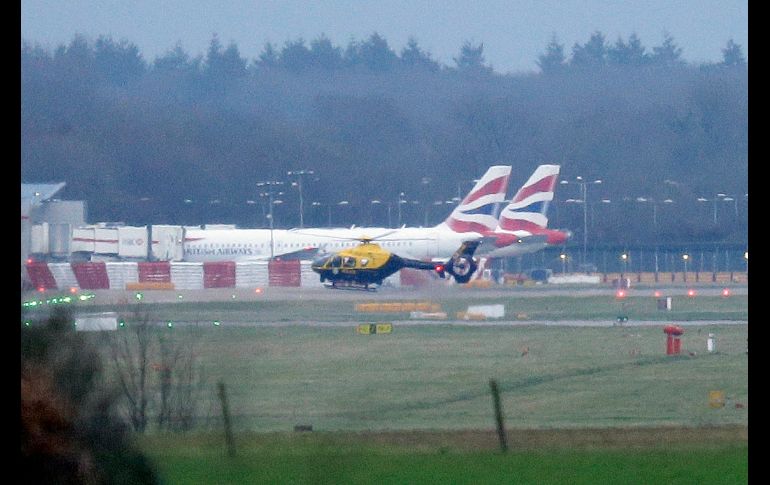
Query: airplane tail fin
[(478, 211), (526, 213)]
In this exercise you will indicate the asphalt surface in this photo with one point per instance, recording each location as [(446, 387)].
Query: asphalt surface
[(275, 293)]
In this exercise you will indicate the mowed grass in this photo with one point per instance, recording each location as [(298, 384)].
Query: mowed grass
[(437, 376), (338, 458), (581, 404)]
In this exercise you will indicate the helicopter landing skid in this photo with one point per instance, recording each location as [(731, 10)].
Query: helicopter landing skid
[(351, 287)]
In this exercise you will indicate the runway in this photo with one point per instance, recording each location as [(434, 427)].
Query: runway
[(277, 293)]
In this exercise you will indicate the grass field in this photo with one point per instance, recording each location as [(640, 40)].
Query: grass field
[(583, 404), (637, 457), (436, 377)]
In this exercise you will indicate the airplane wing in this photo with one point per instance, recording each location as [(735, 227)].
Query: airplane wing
[(492, 241), (302, 254)]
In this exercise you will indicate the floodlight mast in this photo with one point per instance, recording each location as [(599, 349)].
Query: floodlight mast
[(584, 193), (270, 184), (299, 174)]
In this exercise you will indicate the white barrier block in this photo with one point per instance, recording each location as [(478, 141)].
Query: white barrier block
[(121, 273), (576, 278), (187, 276), (96, 322), (64, 276), (489, 311), (251, 274)]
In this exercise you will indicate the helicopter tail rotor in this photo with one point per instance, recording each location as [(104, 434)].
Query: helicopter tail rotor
[(462, 265)]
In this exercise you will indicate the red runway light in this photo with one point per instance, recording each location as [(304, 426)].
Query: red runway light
[(620, 294), (726, 292), (691, 293), (73, 290), (657, 294), (258, 291), (41, 289)]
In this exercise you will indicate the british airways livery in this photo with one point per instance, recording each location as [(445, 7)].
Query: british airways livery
[(522, 226), (478, 211), (476, 214)]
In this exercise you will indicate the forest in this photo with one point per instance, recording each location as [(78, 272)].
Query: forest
[(369, 134)]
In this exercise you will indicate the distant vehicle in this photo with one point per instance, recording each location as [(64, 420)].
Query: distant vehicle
[(368, 264), (523, 223), (540, 274), (475, 214)]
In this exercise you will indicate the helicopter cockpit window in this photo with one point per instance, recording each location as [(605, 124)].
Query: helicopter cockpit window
[(348, 262), (336, 262)]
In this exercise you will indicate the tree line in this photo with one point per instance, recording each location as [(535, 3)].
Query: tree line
[(160, 142)]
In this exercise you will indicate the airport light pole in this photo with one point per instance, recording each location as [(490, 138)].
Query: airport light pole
[(299, 174), (720, 197), (269, 191), (654, 204), (460, 190), (372, 203), (329, 208), (685, 258), (425, 181), (401, 200), (343, 203), (583, 184)]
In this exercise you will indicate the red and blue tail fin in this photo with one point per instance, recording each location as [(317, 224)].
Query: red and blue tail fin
[(525, 215), (478, 211)]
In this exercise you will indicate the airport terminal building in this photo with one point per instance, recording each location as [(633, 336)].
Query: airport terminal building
[(46, 220)]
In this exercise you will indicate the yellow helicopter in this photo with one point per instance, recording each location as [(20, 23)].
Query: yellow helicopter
[(368, 264)]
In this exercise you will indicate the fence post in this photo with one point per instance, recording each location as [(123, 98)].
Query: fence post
[(498, 416), (226, 416)]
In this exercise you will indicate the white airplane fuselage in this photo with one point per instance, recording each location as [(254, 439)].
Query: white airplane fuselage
[(261, 244)]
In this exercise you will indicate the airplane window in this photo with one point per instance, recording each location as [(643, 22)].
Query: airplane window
[(364, 261), (349, 262)]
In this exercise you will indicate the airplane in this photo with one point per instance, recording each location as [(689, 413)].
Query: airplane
[(368, 264), (522, 226), (477, 212)]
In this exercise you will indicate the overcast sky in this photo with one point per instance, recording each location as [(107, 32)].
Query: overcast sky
[(513, 32)]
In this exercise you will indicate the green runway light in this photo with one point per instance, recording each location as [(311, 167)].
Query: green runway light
[(170, 324), (26, 323), (216, 323), (139, 296), (179, 296), (233, 297), (122, 323)]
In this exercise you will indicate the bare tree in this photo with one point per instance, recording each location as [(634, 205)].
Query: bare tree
[(157, 371), (129, 349)]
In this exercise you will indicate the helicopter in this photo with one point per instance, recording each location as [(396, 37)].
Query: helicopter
[(368, 264)]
